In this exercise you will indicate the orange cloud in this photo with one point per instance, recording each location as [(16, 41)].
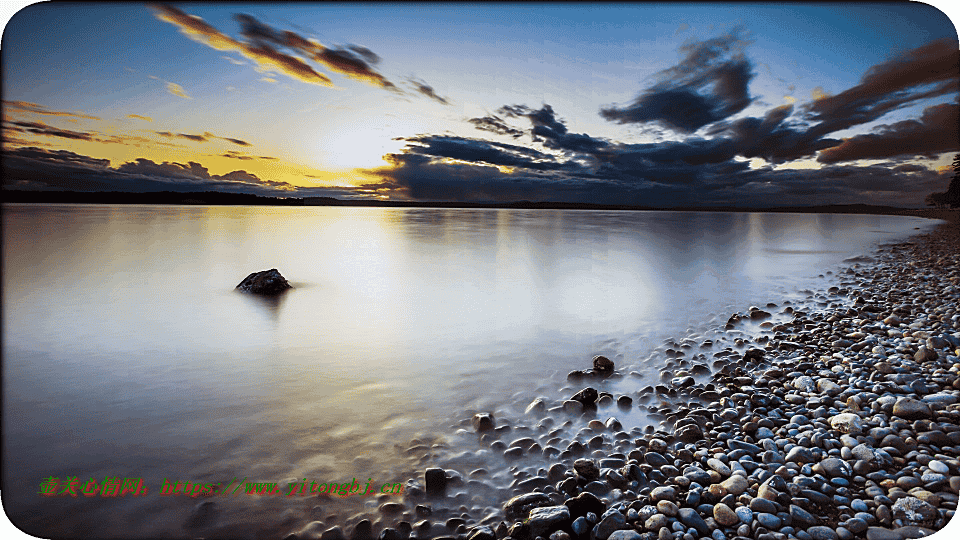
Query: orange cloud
[(138, 117), (196, 29), (26, 106), (177, 90)]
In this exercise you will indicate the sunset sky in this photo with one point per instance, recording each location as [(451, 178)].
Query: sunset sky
[(650, 104)]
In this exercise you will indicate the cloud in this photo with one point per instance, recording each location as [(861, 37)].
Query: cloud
[(40, 128), (266, 46), (708, 85), (347, 61), (26, 106), (177, 90), (39, 169), (428, 91), (198, 30), (477, 150), (928, 71), (138, 117), (551, 131), (236, 141), (495, 124), (935, 132), (205, 137), (366, 53), (244, 157)]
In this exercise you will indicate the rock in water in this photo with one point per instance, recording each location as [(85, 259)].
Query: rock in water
[(265, 282), (602, 364), (483, 422)]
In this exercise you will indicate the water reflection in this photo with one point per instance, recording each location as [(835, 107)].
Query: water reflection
[(269, 303), (121, 324)]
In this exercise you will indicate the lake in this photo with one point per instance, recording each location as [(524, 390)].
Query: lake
[(128, 353)]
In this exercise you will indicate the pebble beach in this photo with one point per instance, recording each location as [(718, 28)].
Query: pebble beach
[(831, 418)]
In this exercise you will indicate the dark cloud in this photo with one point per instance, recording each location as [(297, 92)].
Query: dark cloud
[(772, 137), (925, 72), (353, 61), (40, 128), (26, 106), (366, 53), (38, 169), (708, 85), (428, 91), (552, 132), (236, 141), (495, 124), (205, 137), (935, 132), (63, 157), (480, 151)]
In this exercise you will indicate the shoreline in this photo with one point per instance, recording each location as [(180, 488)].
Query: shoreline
[(840, 423)]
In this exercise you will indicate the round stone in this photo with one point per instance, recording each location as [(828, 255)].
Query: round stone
[(724, 515)]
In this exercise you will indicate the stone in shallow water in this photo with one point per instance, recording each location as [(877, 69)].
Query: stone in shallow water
[(602, 364), (435, 480), (267, 282), (587, 469), (519, 506), (482, 422)]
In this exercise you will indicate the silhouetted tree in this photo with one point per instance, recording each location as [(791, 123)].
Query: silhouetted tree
[(952, 196)]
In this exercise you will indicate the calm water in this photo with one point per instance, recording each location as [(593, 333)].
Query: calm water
[(126, 351)]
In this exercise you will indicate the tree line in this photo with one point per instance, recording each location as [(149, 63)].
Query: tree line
[(951, 197)]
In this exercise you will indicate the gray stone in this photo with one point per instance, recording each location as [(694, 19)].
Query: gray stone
[(822, 533), (835, 467), (799, 454), (847, 423), (691, 518), (663, 493), (769, 521), (519, 506), (612, 522), (719, 466), (911, 409), (547, 519), (802, 517), (480, 533), (625, 535), (580, 526), (587, 469), (736, 485), (914, 511)]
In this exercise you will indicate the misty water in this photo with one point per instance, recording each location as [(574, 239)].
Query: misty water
[(128, 353)]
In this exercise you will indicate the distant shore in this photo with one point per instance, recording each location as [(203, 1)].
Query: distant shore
[(245, 199)]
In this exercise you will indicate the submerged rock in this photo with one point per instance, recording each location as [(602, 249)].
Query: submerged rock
[(265, 282)]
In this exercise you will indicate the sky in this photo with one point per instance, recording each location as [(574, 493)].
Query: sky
[(657, 104)]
